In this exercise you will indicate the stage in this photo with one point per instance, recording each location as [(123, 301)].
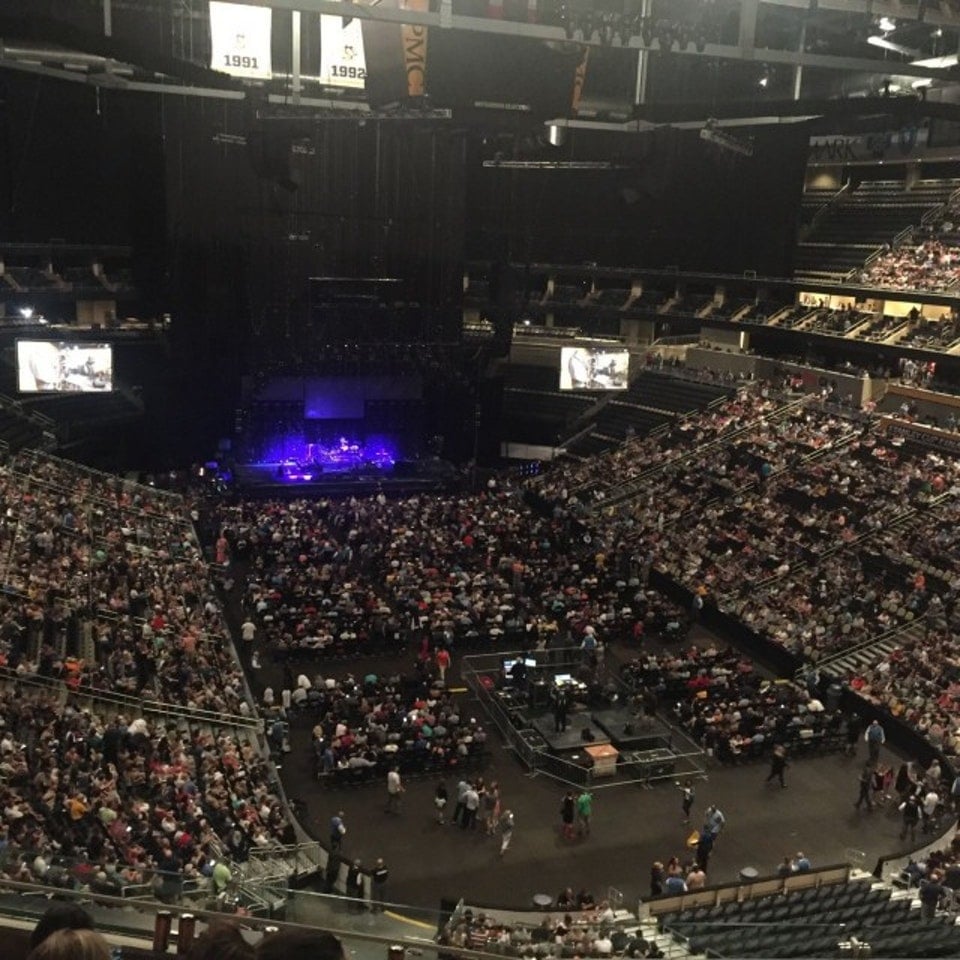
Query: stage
[(303, 479), (605, 741)]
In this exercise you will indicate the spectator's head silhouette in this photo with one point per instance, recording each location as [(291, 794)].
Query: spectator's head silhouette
[(68, 943), (60, 916)]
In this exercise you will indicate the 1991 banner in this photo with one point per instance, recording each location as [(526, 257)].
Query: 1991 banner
[(240, 40)]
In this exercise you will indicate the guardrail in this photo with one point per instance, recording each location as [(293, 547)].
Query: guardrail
[(131, 704)]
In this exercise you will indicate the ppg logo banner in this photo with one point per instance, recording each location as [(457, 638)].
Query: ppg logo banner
[(342, 60), (240, 40)]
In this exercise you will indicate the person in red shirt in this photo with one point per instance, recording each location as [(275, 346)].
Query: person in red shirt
[(443, 663)]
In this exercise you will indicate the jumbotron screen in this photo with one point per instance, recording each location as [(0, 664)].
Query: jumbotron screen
[(586, 368), (56, 366)]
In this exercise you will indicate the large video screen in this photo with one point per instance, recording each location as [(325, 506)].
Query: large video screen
[(586, 368), (55, 366)]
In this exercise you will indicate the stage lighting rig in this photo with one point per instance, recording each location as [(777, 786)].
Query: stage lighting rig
[(713, 134)]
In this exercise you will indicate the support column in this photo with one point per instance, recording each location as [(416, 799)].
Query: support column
[(748, 26), (295, 67), (798, 69), (643, 59)]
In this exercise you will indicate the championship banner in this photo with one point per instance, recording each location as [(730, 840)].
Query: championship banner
[(240, 40), (579, 79), (415, 50), (342, 60)]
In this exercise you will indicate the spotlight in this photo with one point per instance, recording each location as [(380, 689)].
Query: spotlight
[(26, 312)]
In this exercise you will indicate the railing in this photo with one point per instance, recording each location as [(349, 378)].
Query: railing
[(106, 478), (822, 210), (685, 758), (40, 419), (134, 705), (628, 490), (826, 662)]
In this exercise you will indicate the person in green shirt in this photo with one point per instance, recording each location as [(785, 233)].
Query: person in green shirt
[(584, 812)]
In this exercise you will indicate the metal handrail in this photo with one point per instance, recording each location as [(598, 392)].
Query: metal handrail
[(828, 661), (626, 491), (106, 477), (133, 704)]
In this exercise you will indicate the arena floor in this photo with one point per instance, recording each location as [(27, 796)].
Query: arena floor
[(632, 826)]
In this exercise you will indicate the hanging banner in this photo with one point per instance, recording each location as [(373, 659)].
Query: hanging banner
[(342, 60), (579, 79), (240, 40), (415, 50)]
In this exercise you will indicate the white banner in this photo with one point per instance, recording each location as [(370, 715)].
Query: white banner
[(240, 40), (342, 62)]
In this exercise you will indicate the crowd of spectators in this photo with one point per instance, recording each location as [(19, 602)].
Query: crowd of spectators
[(585, 929), (814, 529), (106, 593), (366, 726), (932, 264), (786, 514), (114, 801), (730, 709), (373, 573)]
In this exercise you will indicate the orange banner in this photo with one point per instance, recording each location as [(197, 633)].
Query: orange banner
[(415, 50), (579, 79)]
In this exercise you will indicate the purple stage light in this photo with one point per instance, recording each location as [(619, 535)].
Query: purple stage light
[(295, 460)]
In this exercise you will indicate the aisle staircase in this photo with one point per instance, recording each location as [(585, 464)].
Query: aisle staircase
[(865, 655)]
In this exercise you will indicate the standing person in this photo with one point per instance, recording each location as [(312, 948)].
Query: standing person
[(462, 787), (778, 764), (491, 808), (688, 795), (248, 633), (394, 790), (584, 811), (507, 823), (705, 848), (338, 830), (657, 878), (440, 801), (910, 810), (355, 885), (561, 706), (854, 729), (875, 738), (471, 804), (865, 783), (568, 815), (442, 659), (931, 892), (713, 823), (928, 809), (378, 885)]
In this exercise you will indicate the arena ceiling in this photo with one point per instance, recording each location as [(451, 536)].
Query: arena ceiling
[(841, 63)]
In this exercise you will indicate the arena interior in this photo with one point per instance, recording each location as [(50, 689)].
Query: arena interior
[(480, 477)]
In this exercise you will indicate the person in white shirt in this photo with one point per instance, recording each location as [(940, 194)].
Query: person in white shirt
[(394, 790), (931, 801)]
